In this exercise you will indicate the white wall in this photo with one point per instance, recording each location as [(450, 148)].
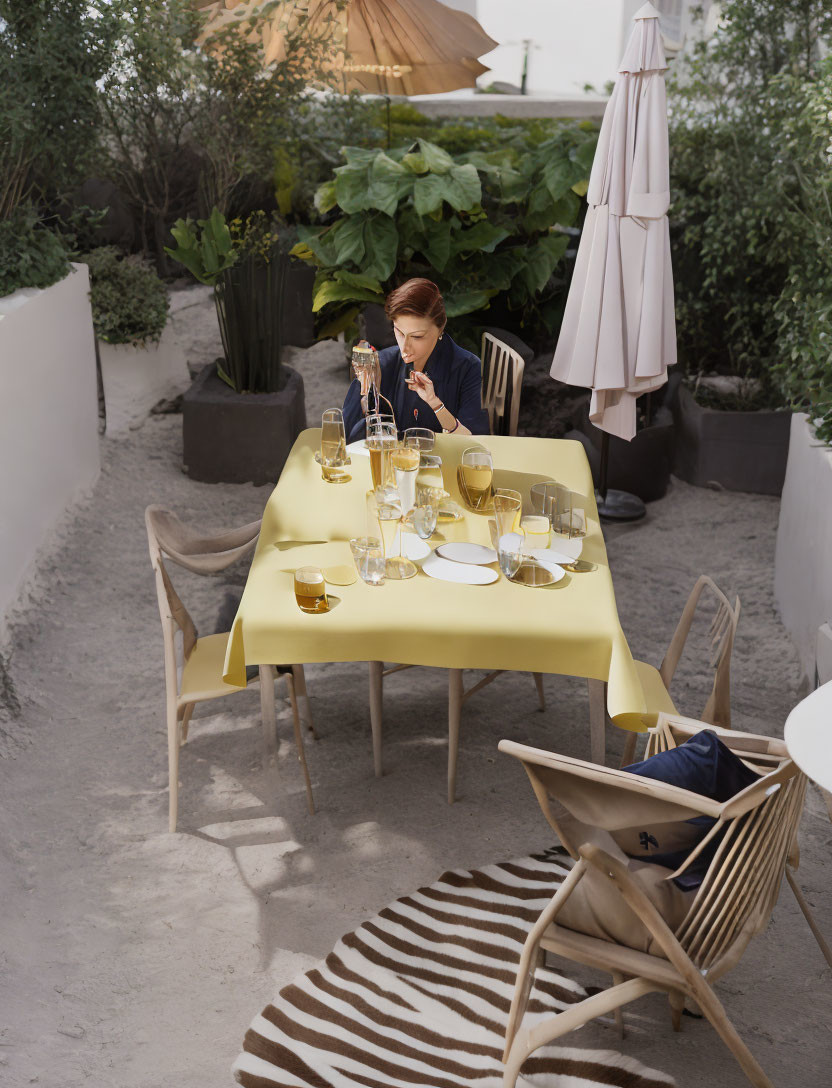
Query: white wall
[(803, 559), (48, 419)]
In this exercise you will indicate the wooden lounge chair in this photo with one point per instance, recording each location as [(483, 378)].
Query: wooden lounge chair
[(655, 682), (627, 917), (198, 675)]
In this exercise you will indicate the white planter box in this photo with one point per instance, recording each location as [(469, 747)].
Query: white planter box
[(136, 378), (803, 560), (48, 419)]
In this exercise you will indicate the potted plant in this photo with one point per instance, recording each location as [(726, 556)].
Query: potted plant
[(139, 366), (241, 415)]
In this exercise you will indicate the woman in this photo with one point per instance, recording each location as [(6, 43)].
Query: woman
[(427, 378)]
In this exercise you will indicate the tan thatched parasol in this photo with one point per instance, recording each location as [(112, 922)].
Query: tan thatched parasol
[(378, 46)]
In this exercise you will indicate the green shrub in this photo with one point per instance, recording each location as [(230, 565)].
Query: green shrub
[(483, 225), (129, 301), (735, 184), (30, 255)]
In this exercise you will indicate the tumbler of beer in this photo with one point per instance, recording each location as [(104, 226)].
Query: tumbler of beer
[(310, 590)]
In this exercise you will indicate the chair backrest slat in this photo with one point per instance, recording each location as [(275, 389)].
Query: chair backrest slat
[(502, 380), (723, 629)]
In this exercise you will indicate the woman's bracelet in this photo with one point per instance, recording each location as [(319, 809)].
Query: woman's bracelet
[(439, 408), (451, 430)]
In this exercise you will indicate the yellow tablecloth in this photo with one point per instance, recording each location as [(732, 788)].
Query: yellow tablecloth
[(570, 628)]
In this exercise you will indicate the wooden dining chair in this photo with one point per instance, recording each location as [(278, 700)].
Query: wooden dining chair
[(655, 682), (193, 665), (629, 918), (502, 382)]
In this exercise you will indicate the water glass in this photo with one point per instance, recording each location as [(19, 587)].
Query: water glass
[(545, 499), (536, 528), (476, 475), (424, 514), (368, 554), (508, 508), (310, 590), (380, 419), (405, 461), (570, 518), (420, 438), (510, 552), (333, 447)]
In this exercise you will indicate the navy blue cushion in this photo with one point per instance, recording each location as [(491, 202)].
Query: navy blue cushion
[(704, 765)]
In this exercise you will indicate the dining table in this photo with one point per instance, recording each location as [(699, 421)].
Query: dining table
[(569, 628)]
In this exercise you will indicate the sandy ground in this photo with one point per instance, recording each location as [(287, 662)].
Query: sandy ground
[(136, 959)]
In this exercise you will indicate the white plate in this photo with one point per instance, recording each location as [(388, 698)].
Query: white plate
[(556, 570), (571, 547), (359, 447), (461, 552), (446, 571), (550, 555)]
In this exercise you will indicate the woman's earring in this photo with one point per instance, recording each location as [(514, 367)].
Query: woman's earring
[(441, 335)]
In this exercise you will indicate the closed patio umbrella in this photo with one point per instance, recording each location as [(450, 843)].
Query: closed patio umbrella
[(378, 46), (619, 332)]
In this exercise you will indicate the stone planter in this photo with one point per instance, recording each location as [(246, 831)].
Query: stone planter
[(298, 321), (740, 451), (237, 438), (803, 559), (48, 420), (136, 378)]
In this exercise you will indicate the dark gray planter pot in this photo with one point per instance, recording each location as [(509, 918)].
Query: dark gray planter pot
[(740, 451), (640, 467), (237, 438)]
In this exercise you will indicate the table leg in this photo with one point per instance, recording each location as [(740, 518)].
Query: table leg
[(376, 719), (267, 713), (455, 693), (597, 720)]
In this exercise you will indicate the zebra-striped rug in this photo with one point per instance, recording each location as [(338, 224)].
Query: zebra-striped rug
[(420, 994)]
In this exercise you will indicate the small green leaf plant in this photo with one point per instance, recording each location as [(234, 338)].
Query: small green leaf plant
[(490, 228), (129, 301), (204, 247)]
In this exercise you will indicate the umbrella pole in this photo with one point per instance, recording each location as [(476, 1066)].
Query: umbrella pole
[(614, 505)]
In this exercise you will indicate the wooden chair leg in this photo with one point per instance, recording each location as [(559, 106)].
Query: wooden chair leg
[(290, 684), (376, 719), (807, 914), (300, 688), (173, 768), (677, 1007), (617, 979), (546, 1031), (629, 754), (597, 720), (538, 683), (267, 713), (185, 720), (712, 1008), (455, 692)]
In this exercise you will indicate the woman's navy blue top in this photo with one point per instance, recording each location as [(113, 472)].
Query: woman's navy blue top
[(456, 377)]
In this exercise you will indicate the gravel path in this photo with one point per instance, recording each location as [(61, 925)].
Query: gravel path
[(136, 959)]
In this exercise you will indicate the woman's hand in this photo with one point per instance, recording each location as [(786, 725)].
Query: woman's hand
[(420, 383)]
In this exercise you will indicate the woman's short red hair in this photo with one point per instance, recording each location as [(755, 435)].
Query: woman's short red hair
[(419, 297)]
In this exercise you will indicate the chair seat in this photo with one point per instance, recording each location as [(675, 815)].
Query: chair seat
[(202, 675), (656, 695)]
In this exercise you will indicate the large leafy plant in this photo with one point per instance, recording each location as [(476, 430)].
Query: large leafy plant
[(487, 226)]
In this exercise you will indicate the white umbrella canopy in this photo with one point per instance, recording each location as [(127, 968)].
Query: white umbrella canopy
[(619, 330)]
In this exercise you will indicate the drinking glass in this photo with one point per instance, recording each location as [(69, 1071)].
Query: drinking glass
[(420, 438), (537, 529), (397, 566), (424, 514), (368, 554), (569, 519), (476, 476), (508, 508), (333, 447), (380, 419), (545, 499), (381, 442), (310, 590), (510, 552), (405, 461)]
